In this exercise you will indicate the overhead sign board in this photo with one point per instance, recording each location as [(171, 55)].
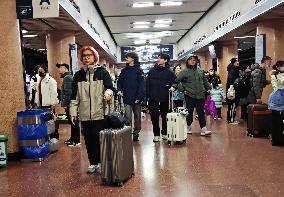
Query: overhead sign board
[(147, 53), (37, 8)]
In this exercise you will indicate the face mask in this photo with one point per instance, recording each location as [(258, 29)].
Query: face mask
[(41, 74), (281, 69)]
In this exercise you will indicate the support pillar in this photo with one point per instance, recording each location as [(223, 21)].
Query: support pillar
[(12, 96)]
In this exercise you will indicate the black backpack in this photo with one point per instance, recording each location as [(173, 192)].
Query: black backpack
[(242, 85)]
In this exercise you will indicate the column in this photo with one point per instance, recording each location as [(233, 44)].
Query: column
[(57, 44), (12, 98)]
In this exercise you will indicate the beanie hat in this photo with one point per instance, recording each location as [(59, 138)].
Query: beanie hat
[(95, 53)]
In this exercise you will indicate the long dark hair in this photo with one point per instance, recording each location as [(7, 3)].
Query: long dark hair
[(215, 82)]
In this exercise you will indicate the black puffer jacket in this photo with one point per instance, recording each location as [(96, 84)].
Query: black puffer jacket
[(158, 82)]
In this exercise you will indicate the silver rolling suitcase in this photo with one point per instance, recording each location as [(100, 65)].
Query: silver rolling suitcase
[(176, 125), (116, 148)]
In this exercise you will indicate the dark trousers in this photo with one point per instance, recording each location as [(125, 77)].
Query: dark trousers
[(244, 113), (91, 132), (178, 103), (219, 112), (156, 109), (232, 107), (136, 108), (198, 104), (75, 128)]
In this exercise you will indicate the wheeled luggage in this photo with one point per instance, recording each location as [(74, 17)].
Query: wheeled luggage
[(277, 131), (176, 124), (259, 120), (116, 152)]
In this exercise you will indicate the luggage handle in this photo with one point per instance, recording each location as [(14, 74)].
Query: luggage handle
[(171, 102)]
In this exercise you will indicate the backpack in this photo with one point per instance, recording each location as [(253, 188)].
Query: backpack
[(243, 85)]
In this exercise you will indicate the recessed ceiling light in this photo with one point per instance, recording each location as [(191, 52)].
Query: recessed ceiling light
[(161, 25), (29, 36), (155, 41), (142, 4), (24, 31), (141, 23), (141, 27), (41, 49), (171, 3), (164, 21), (139, 41)]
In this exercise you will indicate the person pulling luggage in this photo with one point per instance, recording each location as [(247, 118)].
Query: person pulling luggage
[(91, 87)]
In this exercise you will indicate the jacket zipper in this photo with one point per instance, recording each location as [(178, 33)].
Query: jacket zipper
[(90, 95)]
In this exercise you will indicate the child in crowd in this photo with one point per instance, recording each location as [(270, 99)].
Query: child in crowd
[(217, 95)]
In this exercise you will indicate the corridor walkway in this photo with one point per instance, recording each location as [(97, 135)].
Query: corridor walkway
[(226, 164)]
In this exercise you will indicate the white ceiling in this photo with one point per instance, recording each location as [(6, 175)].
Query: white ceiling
[(120, 16)]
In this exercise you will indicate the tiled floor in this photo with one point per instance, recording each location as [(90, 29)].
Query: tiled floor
[(226, 164)]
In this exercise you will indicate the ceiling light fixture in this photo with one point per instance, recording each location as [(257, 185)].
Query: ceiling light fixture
[(241, 37), (141, 23), (29, 36), (141, 27), (24, 31), (139, 41), (142, 4), (156, 41), (171, 3), (163, 21), (161, 25)]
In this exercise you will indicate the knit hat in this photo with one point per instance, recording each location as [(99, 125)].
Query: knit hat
[(95, 53)]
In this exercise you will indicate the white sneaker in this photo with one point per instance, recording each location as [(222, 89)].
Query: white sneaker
[(205, 132), (156, 139), (164, 137), (234, 123), (189, 131), (92, 169)]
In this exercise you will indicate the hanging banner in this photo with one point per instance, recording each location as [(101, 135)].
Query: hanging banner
[(73, 58), (37, 8), (147, 53)]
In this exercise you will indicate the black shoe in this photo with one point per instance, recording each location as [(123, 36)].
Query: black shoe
[(135, 138)]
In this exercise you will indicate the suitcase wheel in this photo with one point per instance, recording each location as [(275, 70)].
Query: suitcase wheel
[(133, 174), (120, 184), (184, 141)]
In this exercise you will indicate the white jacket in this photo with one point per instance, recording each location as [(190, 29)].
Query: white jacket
[(48, 91), (277, 80)]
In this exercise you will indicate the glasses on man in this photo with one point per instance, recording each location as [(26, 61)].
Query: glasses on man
[(87, 55)]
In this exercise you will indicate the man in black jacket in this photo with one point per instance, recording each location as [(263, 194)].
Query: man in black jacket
[(66, 91), (130, 85), (158, 84)]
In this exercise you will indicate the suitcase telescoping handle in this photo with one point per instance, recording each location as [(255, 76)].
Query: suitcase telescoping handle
[(171, 102)]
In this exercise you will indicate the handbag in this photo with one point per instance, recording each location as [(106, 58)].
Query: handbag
[(231, 94), (115, 119)]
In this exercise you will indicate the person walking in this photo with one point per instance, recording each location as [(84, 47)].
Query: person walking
[(130, 85)]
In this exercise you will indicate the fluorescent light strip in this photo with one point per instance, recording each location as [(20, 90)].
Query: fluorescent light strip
[(29, 36), (241, 37), (142, 4), (163, 21), (171, 3), (141, 23), (141, 27), (155, 41), (161, 25), (139, 41)]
